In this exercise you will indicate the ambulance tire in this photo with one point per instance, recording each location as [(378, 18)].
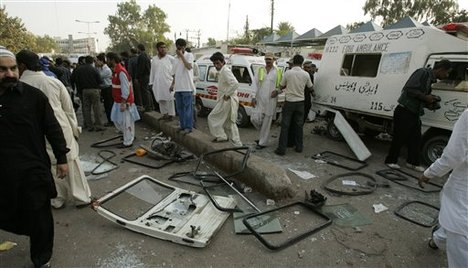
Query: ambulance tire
[(202, 111), (243, 119), (433, 147), (332, 131)]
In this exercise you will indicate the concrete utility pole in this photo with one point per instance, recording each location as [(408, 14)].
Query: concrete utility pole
[(229, 15), (272, 15)]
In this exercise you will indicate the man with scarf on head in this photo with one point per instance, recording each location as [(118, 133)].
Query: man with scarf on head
[(74, 186), (26, 184), (124, 111)]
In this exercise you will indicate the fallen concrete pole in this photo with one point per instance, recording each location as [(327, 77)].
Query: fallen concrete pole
[(263, 176)]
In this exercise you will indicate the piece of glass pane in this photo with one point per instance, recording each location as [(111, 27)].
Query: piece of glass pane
[(137, 199)]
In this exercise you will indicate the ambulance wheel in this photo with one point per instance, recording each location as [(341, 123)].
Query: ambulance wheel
[(202, 111), (242, 118), (433, 147), (332, 131)]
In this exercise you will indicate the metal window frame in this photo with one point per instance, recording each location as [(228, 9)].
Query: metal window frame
[(293, 240), (363, 163), (400, 208), (356, 193), (405, 177)]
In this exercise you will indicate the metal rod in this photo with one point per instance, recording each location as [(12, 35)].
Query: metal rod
[(235, 190)]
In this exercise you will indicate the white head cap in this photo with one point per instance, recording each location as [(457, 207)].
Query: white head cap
[(6, 53)]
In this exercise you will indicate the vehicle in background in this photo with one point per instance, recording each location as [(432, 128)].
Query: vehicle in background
[(244, 68), (362, 75)]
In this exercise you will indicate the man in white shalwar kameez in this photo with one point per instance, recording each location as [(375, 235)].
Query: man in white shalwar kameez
[(453, 215), (267, 81), (222, 119), (161, 81), (74, 186)]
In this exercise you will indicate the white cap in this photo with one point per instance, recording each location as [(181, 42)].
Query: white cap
[(6, 53)]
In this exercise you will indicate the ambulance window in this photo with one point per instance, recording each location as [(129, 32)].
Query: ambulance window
[(201, 72), (457, 80), (212, 74), (395, 63), (242, 74), (360, 65)]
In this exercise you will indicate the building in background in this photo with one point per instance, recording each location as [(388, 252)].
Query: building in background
[(77, 46)]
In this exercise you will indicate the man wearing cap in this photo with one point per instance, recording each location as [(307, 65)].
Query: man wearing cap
[(267, 80), (74, 186), (27, 185), (293, 83)]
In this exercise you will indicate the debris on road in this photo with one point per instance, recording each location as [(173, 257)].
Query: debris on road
[(379, 208)]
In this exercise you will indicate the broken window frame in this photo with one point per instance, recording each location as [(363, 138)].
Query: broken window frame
[(404, 177), (363, 163), (401, 215), (356, 193), (292, 240)]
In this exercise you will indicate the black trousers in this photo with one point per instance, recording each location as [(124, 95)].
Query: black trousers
[(292, 118), (307, 104), (406, 131), (106, 95), (145, 95), (30, 214)]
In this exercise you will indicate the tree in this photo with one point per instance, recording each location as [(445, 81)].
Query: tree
[(284, 28), (259, 34), (211, 42), (354, 25), (13, 34), (46, 44), (390, 11), (128, 27)]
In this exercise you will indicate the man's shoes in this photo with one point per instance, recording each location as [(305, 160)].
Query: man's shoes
[(219, 140), (186, 131), (109, 124), (415, 168), (259, 147), (257, 141), (123, 146), (431, 242), (57, 203), (46, 265), (298, 150), (393, 165), (280, 153), (97, 129), (90, 129)]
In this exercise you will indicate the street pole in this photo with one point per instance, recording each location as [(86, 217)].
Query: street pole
[(89, 32)]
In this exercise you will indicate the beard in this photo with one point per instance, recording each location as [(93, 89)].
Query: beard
[(8, 82)]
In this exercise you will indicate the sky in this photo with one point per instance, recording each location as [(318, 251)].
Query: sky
[(210, 17)]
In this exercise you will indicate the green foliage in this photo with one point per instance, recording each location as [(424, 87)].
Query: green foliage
[(354, 25), (129, 26), (46, 44), (390, 11), (211, 42), (284, 28), (259, 34), (13, 34)]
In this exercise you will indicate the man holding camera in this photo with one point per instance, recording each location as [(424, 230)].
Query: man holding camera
[(415, 96)]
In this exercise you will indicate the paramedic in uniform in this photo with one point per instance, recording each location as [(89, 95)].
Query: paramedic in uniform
[(223, 117), (416, 94), (267, 80), (293, 83), (453, 216)]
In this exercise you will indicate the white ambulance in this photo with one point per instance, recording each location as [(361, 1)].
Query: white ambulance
[(362, 74), (244, 68)]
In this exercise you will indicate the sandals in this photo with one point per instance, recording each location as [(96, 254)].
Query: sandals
[(218, 140)]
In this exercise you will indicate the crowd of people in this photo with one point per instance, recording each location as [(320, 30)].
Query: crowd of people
[(39, 128)]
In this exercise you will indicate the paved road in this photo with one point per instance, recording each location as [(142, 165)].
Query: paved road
[(85, 239)]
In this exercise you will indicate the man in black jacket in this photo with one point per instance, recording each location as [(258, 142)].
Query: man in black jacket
[(142, 74), (87, 79), (26, 184)]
